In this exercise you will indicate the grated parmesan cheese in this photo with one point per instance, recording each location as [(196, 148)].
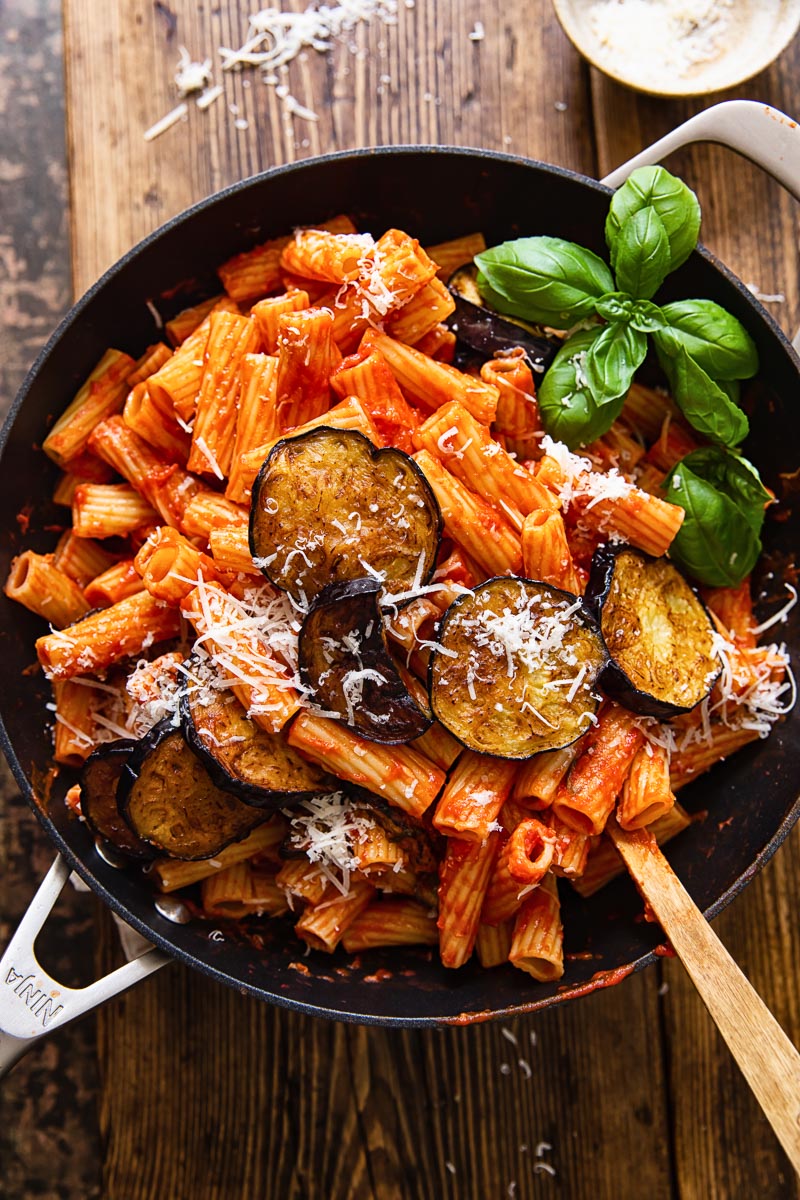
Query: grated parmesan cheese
[(581, 480), (177, 114), (781, 615), (655, 43), (208, 455), (191, 76), (326, 828)]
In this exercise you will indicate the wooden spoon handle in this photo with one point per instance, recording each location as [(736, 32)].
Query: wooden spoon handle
[(768, 1060)]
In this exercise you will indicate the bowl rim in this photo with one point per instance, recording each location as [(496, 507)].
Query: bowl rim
[(84, 869), (586, 47)]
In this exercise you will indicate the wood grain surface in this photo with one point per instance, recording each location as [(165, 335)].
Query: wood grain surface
[(194, 1091)]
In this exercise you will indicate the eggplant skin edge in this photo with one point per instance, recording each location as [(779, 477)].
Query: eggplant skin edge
[(587, 619), (132, 846), (405, 720), (614, 680), (267, 799), (150, 744)]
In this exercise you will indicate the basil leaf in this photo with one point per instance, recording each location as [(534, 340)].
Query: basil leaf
[(545, 279), (612, 359), (675, 203), (494, 299), (731, 388), (641, 314), (642, 255), (715, 339), (567, 407), (732, 474), (616, 306), (718, 542), (705, 405)]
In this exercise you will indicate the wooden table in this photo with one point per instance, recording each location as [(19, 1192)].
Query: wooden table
[(186, 1090)]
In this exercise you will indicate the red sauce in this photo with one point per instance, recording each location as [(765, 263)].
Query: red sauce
[(24, 518), (601, 979), (378, 977)]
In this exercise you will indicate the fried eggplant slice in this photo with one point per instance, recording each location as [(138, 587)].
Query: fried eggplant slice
[(345, 663), (241, 757), (327, 506), (516, 668), (169, 800), (485, 331), (99, 777), (659, 636)]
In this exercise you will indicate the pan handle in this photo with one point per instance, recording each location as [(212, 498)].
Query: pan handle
[(759, 132), (32, 1003)]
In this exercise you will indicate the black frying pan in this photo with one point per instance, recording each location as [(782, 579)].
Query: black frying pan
[(435, 194)]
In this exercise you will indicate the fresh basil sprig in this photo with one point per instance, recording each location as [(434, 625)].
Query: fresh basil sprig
[(652, 227), (724, 500), (641, 253), (613, 358)]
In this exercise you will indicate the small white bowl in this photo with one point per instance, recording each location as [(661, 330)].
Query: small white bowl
[(679, 47)]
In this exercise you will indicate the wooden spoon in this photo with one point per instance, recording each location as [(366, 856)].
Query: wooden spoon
[(766, 1057)]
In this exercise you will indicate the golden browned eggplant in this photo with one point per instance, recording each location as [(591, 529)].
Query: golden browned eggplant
[(659, 636), (169, 800), (241, 757), (345, 663), (516, 668), (327, 506)]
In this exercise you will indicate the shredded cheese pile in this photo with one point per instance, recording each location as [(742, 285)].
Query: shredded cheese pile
[(275, 38), (263, 616), (326, 829), (659, 41), (527, 635), (581, 480)]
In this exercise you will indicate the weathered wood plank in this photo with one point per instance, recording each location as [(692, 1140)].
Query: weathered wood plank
[(421, 81), (353, 1112), (723, 1146), (270, 1103), (274, 1104), (48, 1122)]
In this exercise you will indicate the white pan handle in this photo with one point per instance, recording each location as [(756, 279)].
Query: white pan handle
[(31, 1002), (763, 134), (759, 132)]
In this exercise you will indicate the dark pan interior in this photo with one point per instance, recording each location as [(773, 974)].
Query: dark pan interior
[(434, 194)]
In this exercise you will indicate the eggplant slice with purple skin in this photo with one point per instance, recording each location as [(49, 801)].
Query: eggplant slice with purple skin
[(345, 663), (261, 768), (659, 636), (485, 331), (516, 668), (168, 799), (99, 777), (327, 507)]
